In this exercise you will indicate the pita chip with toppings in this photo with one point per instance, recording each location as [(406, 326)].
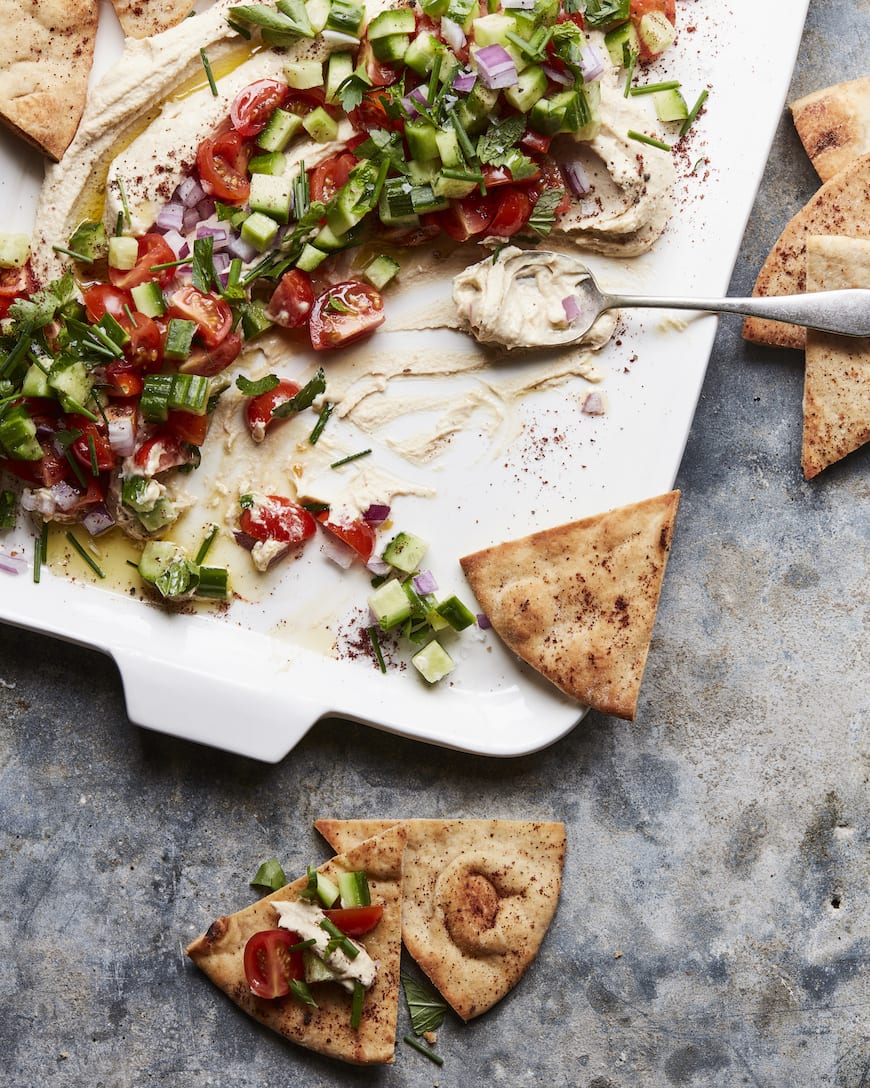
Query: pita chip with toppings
[(837, 378), (328, 1028), (834, 125), (578, 602), (478, 898)]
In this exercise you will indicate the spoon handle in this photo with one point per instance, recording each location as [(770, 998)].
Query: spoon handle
[(844, 312)]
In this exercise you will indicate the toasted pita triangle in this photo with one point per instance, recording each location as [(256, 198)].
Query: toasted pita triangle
[(841, 206), (479, 896), (834, 125), (46, 53), (837, 379), (142, 18), (578, 602), (220, 954)]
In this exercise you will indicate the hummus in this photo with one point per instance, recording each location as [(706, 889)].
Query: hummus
[(305, 919), (515, 298)]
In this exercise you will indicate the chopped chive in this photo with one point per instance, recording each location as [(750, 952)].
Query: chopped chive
[(206, 545), (208, 72), (696, 165), (629, 72), (92, 449), (129, 314), (641, 139), (376, 646), (72, 253), (693, 112), (170, 264), (74, 465), (430, 1054), (359, 994), (40, 551), (351, 457), (123, 191), (338, 940), (325, 412), (302, 945), (433, 79), (651, 88), (119, 225), (90, 562), (315, 507)]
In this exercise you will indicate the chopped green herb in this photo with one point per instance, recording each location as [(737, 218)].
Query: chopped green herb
[(270, 874), (653, 88), (693, 112), (7, 509), (90, 562), (325, 412), (204, 549), (208, 72), (40, 551), (337, 306), (629, 72), (426, 1008), (351, 90), (246, 34), (338, 940), (246, 501), (376, 646), (203, 264), (304, 398), (255, 389), (543, 216), (359, 995), (71, 253), (123, 191), (300, 991), (417, 1045), (351, 457), (641, 139)]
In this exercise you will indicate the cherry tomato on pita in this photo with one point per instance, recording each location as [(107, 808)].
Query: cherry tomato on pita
[(213, 317), (358, 535), (291, 301), (255, 104), (278, 518), (355, 921), (270, 966), (153, 250), (345, 313), (222, 163), (258, 410)]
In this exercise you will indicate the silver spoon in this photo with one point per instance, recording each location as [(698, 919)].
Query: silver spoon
[(845, 312)]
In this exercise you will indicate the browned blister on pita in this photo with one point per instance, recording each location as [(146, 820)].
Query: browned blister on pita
[(837, 379), (142, 18), (479, 896), (46, 53), (578, 602), (327, 1029), (841, 206), (834, 125)]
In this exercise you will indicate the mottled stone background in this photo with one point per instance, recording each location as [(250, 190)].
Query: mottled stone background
[(713, 926)]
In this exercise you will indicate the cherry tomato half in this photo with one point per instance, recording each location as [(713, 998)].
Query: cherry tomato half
[(469, 216), (514, 209), (160, 453), (145, 347), (355, 921), (329, 176), (210, 361), (358, 535), (270, 966), (222, 163), (278, 518), (188, 427), (94, 437), (291, 301), (345, 313), (255, 104), (123, 379), (212, 315), (102, 298), (153, 249), (258, 410)]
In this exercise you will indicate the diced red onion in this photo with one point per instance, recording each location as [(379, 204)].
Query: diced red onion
[(464, 82), (409, 107), (483, 621), (557, 76), (377, 513), (378, 567), (424, 583), (221, 262), (189, 192), (594, 404), (571, 308), (337, 551), (411, 101), (591, 64), (206, 208), (98, 520), (220, 235), (48, 501), (495, 67), (452, 33), (191, 218), (238, 247), (577, 178), (175, 241), (171, 216), (184, 251), (12, 564), (122, 434), (244, 540)]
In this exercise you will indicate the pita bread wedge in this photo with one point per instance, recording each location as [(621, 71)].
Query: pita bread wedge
[(46, 52), (142, 18), (220, 954), (578, 602), (479, 896), (837, 379), (834, 125), (841, 206)]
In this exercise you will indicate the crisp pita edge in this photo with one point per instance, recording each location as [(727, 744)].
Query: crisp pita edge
[(201, 948), (140, 20), (662, 508), (819, 115)]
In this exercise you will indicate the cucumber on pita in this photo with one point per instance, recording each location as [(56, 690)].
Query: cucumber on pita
[(834, 125), (837, 378), (578, 602), (327, 1029), (841, 206), (46, 53), (479, 896), (142, 18)]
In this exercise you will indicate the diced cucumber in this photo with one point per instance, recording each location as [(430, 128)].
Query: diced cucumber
[(179, 338), (433, 662), (391, 50), (165, 566), (422, 51), (531, 86), (327, 890), (405, 552), (254, 319), (259, 230), (318, 13), (280, 130), (447, 143), (424, 199), (345, 17), (434, 8), (320, 126), (422, 139), (338, 68), (656, 32), (452, 188), (454, 611), (380, 271), (422, 173), (397, 21), (310, 257), (18, 435), (328, 241), (621, 43), (355, 199), (71, 381), (314, 968), (123, 252), (114, 330), (474, 110), (273, 162), (389, 604), (396, 206), (303, 74), (354, 889), (493, 29), (272, 196), (149, 298), (35, 382), (14, 250), (670, 105), (461, 11)]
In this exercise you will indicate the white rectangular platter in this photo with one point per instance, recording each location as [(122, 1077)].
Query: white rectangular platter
[(253, 679)]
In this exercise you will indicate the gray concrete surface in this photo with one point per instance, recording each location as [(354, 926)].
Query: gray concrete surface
[(713, 927)]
